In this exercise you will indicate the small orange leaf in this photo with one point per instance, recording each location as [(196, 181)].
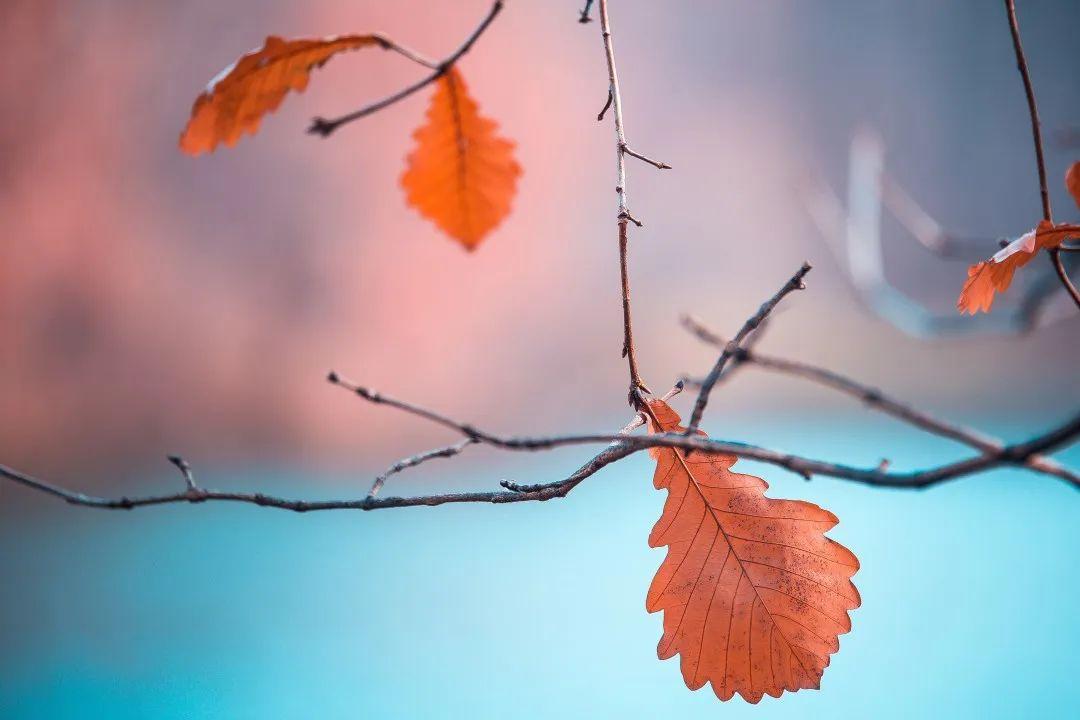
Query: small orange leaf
[(461, 175), (995, 275), (235, 101), (754, 595), (1072, 182)]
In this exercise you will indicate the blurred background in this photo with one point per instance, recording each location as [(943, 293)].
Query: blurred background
[(154, 303)]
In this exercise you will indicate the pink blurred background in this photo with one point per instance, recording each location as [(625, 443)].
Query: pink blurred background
[(151, 302)]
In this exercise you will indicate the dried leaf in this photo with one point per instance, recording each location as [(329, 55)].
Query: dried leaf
[(235, 101), (995, 275), (1072, 182), (754, 595), (461, 175)]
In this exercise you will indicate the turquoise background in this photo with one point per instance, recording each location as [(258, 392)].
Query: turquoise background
[(534, 610)]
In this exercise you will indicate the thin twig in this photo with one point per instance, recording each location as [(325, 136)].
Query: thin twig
[(409, 462), (607, 104), (637, 386), (619, 447), (597, 462), (655, 163), (1016, 454), (584, 17), (1029, 91), (1036, 134), (388, 44), (324, 127), (185, 470), (876, 400), (1063, 275), (795, 283)]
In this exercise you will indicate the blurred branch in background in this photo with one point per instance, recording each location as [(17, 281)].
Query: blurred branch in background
[(855, 236)]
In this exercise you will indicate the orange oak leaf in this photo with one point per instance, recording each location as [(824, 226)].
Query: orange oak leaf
[(461, 175), (995, 275), (754, 595), (1072, 182), (235, 101)]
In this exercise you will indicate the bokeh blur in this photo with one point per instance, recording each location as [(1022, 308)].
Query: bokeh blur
[(154, 303)]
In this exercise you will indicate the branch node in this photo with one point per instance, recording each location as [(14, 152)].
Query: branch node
[(322, 127)]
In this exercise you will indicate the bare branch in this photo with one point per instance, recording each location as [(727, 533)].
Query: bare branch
[(324, 127), (185, 470), (609, 455), (607, 104), (443, 452), (584, 17), (1033, 110), (877, 400), (620, 446), (378, 398), (1036, 134), (1063, 276), (655, 163), (623, 216), (795, 283), (407, 52)]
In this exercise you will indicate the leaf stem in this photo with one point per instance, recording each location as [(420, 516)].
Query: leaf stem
[(324, 127)]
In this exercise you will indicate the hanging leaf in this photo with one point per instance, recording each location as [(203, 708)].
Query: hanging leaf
[(754, 595), (235, 101), (1072, 182), (995, 275), (461, 175)]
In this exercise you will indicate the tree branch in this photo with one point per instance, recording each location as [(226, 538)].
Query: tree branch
[(1063, 275), (324, 127), (619, 446), (409, 462), (795, 283), (407, 52), (877, 400), (1036, 134), (624, 218), (1033, 110), (584, 16)]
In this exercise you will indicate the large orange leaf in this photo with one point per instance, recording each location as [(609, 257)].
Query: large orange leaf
[(995, 275), (461, 175), (754, 595), (235, 101)]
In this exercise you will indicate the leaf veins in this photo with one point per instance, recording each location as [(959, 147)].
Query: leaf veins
[(461, 175), (754, 595), (235, 101)]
